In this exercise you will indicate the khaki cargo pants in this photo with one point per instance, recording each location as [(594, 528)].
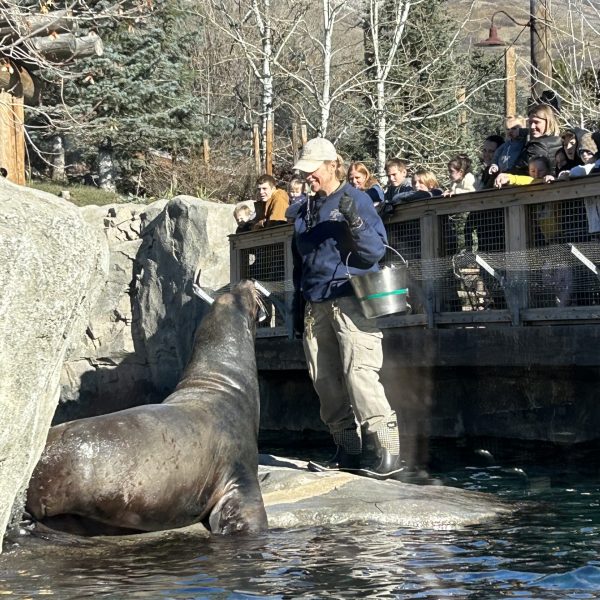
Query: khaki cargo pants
[(344, 356)]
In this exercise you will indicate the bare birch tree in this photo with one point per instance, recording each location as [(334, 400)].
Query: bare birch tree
[(262, 35), (383, 60), (574, 28)]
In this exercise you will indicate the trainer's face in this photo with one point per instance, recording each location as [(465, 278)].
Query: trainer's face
[(323, 179)]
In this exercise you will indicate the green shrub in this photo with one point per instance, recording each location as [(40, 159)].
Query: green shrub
[(82, 195)]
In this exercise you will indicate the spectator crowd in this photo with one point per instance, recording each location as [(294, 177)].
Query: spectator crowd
[(534, 150)]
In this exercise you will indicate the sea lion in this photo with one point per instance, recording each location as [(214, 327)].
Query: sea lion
[(191, 459)]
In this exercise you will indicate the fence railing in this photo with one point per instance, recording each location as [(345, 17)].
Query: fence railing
[(516, 256)]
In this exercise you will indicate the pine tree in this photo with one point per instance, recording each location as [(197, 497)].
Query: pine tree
[(139, 96)]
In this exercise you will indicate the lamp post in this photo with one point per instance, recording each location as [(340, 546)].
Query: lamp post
[(541, 63)]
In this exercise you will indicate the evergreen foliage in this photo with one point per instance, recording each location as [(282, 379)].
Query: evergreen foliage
[(425, 81), (140, 94)]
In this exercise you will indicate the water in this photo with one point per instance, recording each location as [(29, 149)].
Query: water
[(551, 549)]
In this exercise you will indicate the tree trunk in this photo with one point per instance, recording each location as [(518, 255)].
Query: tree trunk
[(59, 21), (381, 130), (106, 166), (12, 138), (267, 76), (328, 20), (58, 159)]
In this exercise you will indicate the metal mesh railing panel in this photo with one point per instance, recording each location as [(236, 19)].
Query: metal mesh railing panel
[(463, 284), (556, 222), (267, 265), (556, 276), (404, 237)]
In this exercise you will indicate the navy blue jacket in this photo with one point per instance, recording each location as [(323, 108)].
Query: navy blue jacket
[(392, 190), (323, 240), (375, 192)]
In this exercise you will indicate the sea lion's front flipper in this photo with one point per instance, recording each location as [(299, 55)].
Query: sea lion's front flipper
[(239, 511)]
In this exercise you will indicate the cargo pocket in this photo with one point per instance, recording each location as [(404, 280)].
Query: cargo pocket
[(367, 352)]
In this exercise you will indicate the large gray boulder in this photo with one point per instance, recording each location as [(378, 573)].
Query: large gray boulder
[(52, 263), (186, 242), (103, 371), (139, 332)]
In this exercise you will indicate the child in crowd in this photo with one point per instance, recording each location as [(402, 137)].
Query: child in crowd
[(507, 154), (484, 179), (360, 177), (561, 162), (425, 185), (296, 191), (540, 171), (569, 145), (459, 169), (243, 216), (396, 170), (297, 199), (588, 153)]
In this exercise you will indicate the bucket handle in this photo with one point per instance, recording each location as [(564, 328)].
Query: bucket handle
[(392, 249)]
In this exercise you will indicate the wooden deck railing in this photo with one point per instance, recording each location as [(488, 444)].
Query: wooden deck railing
[(516, 256)]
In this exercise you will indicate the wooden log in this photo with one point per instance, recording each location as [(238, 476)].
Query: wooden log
[(59, 21), (205, 151), (303, 133), (9, 77), (66, 46), (19, 82), (269, 152), (295, 143), (12, 137), (30, 88), (510, 86), (256, 146)]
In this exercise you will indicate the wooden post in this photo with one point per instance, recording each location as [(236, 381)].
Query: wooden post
[(541, 63), (256, 145), (295, 143), (510, 85), (12, 137), (205, 151), (303, 133), (269, 149), (461, 96)]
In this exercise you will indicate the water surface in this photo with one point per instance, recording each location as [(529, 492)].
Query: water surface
[(549, 550)]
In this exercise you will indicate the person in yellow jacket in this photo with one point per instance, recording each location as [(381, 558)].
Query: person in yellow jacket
[(539, 172), (547, 217), (271, 204)]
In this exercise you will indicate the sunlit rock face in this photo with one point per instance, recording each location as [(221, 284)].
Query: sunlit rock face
[(139, 333), (52, 263), (296, 497)]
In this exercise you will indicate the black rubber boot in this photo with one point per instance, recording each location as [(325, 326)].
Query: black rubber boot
[(384, 462), (347, 454)]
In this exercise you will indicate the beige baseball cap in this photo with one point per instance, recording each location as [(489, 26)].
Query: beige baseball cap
[(314, 153)]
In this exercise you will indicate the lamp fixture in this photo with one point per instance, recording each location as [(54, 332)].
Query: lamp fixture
[(493, 39)]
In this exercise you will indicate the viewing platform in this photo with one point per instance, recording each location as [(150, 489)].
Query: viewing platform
[(503, 335), (499, 277)]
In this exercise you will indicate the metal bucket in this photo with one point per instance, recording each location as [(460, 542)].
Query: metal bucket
[(384, 292)]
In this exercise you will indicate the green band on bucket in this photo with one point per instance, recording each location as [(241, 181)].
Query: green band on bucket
[(384, 294)]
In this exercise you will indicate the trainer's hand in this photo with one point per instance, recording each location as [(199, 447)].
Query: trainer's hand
[(349, 211)]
